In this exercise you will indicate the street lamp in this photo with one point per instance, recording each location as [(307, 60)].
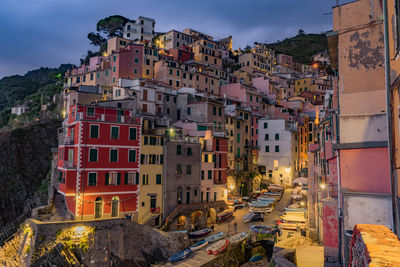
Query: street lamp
[(322, 186)]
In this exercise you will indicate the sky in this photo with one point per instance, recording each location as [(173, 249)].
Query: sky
[(47, 33)]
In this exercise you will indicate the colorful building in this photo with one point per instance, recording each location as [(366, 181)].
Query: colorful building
[(99, 162)]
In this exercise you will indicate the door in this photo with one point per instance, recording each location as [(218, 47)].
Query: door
[(208, 197), (188, 197), (120, 114), (114, 207), (201, 196), (98, 210), (153, 203), (215, 196), (70, 156), (178, 114)]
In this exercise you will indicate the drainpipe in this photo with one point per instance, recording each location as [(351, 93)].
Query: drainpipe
[(389, 119)]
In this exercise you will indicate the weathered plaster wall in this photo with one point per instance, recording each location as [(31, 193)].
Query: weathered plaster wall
[(367, 209), (363, 128)]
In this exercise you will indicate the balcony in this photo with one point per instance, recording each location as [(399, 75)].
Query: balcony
[(107, 118), (68, 165)]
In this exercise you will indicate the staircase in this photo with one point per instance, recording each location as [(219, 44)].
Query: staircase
[(59, 211)]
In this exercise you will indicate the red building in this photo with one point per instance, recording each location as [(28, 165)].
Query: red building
[(127, 63), (181, 54), (98, 162)]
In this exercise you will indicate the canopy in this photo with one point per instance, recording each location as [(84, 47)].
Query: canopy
[(299, 180)]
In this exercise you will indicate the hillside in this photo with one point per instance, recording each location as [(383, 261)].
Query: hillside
[(301, 46), (34, 86)]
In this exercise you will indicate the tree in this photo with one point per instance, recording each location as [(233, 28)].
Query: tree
[(96, 39), (112, 26), (301, 32)]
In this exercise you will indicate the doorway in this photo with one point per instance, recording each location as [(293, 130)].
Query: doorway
[(114, 206), (188, 197), (98, 210)]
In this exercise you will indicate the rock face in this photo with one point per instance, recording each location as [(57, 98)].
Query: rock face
[(25, 159), (114, 242)]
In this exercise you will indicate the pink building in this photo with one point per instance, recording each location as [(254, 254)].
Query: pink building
[(247, 94), (127, 63)]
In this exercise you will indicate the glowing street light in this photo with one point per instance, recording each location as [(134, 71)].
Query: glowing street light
[(323, 186)]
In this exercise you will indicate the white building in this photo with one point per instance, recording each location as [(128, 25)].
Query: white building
[(278, 149), (18, 110), (140, 30)]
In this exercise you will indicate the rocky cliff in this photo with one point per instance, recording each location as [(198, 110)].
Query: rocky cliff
[(25, 155)]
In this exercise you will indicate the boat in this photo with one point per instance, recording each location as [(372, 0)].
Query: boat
[(259, 204), (214, 237), (218, 247), (294, 218), (262, 229), (248, 217), (225, 215), (289, 225), (200, 233), (295, 209), (180, 255), (238, 238), (179, 232), (199, 245), (260, 209), (256, 257)]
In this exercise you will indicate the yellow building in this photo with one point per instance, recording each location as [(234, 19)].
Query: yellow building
[(150, 57), (151, 175)]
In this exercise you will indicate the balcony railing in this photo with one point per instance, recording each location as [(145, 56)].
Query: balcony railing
[(107, 118), (68, 165)]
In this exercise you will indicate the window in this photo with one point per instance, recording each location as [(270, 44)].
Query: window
[(188, 110), (114, 69), (94, 131), (145, 179), (136, 60), (132, 133), (114, 58), (189, 151), (114, 132), (238, 138), (276, 148), (158, 178), (113, 178), (276, 136), (214, 111), (130, 178), (188, 169), (92, 179), (179, 169), (238, 124), (178, 150), (209, 174), (202, 175), (146, 140), (93, 154), (113, 155), (90, 112), (266, 137), (265, 125), (132, 155), (266, 148)]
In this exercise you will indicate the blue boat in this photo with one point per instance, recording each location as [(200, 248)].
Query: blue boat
[(256, 257), (214, 237), (199, 245), (266, 198), (262, 229), (180, 255), (248, 217), (200, 233), (295, 209)]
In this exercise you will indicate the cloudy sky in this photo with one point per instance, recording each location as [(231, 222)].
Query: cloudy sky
[(46, 33)]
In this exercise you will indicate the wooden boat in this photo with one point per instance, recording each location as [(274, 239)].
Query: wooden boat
[(294, 218), (260, 204), (256, 257), (214, 237), (199, 245), (295, 209), (262, 229), (180, 255), (200, 233), (179, 232), (260, 210), (248, 217), (225, 215), (218, 247), (238, 238), (225, 219), (291, 225)]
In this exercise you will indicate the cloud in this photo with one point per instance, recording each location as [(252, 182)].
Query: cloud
[(48, 33)]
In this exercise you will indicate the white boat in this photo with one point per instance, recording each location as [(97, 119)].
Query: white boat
[(199, 245), (214, 237), (238, 238), (218, 247)]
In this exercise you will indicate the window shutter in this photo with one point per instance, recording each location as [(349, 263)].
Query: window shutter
[(118, 178), (126, 178), (137, 178), (107, 178)]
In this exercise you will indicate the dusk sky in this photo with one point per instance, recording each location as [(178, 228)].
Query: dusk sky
[(46, 33)]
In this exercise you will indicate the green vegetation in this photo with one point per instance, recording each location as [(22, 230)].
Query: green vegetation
[(302, 46), (34, 88)]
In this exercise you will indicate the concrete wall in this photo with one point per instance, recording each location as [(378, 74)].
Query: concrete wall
[(366, 209)]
